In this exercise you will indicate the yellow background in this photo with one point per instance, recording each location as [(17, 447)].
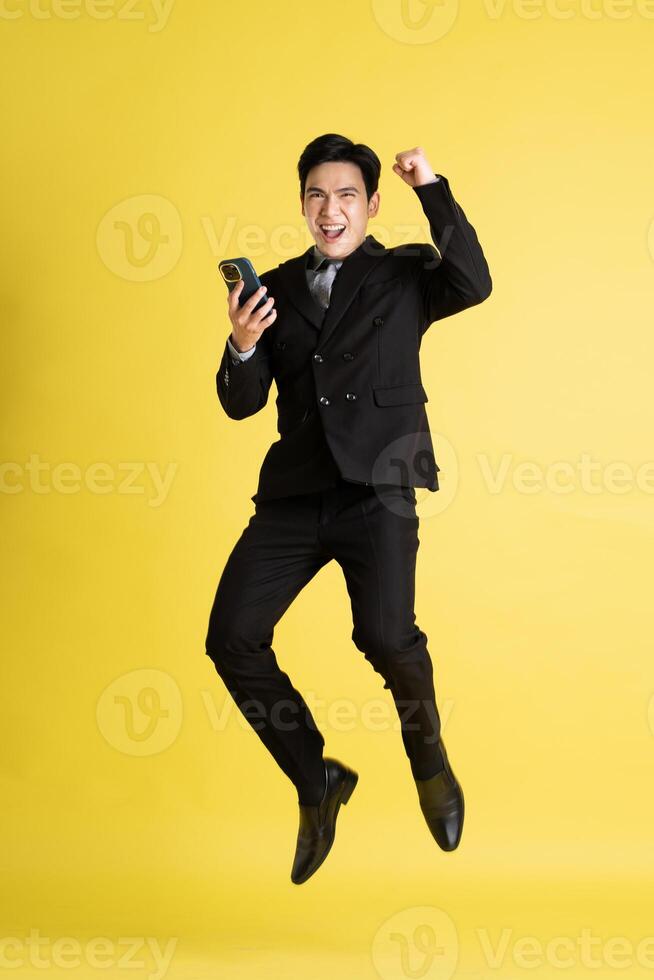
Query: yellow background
[(536, 598)]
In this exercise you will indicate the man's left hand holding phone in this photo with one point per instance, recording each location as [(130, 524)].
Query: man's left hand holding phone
[(250, 312)]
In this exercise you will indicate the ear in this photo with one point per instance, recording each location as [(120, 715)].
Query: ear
[(302, 202), (373, 205)]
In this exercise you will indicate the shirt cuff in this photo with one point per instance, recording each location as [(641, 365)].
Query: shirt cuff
[(437, 176), (238, 355)]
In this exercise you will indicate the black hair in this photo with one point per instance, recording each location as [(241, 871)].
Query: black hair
[(332, 147)]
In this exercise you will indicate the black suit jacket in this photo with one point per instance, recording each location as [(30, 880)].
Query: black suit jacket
[(349, 379)]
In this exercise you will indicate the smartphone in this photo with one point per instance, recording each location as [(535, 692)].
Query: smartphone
[(233, 270)]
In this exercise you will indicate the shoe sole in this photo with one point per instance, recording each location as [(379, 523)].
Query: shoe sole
[(350, 781)]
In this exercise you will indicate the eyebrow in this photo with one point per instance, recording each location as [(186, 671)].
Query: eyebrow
[(338, 190)]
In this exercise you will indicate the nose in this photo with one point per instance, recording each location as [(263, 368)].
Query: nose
[(330, 208)]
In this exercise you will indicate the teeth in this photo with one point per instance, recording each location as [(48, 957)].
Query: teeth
[(332, 227)]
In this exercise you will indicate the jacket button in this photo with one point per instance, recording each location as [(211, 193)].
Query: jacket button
[(378, 321), (324, 400), (347, 356), (318, 358), (351, 396)]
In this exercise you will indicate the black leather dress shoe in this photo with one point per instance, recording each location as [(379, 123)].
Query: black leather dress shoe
[(441, 801), (318, 823)]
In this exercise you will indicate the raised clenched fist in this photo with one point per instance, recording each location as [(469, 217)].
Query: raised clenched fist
[(414, 167)]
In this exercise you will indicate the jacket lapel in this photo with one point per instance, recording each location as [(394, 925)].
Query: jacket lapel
[(356, 267)]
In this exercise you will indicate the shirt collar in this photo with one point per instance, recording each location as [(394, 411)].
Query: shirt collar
[(316, 257)]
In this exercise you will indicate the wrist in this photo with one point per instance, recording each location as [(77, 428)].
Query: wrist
[(428, 177), (236, 346)]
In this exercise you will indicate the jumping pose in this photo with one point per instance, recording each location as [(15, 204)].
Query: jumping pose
[(340, 335)]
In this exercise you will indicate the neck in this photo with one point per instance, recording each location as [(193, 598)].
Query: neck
[(338, 258)]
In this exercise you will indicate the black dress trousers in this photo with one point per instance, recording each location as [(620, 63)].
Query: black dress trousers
[(372, 532)]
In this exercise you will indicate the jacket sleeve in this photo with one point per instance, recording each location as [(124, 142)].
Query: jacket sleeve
[(456, 276), (243, 386)]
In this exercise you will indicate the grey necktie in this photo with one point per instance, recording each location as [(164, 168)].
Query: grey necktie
[(323, 279)]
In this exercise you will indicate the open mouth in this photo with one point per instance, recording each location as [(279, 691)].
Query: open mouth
[(332, 232)]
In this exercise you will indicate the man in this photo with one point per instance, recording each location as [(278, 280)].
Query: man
[(340, 335)]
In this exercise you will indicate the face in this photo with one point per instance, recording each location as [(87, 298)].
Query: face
[(335, 194)]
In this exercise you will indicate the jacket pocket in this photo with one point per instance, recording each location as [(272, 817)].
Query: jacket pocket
[(399, 394)]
